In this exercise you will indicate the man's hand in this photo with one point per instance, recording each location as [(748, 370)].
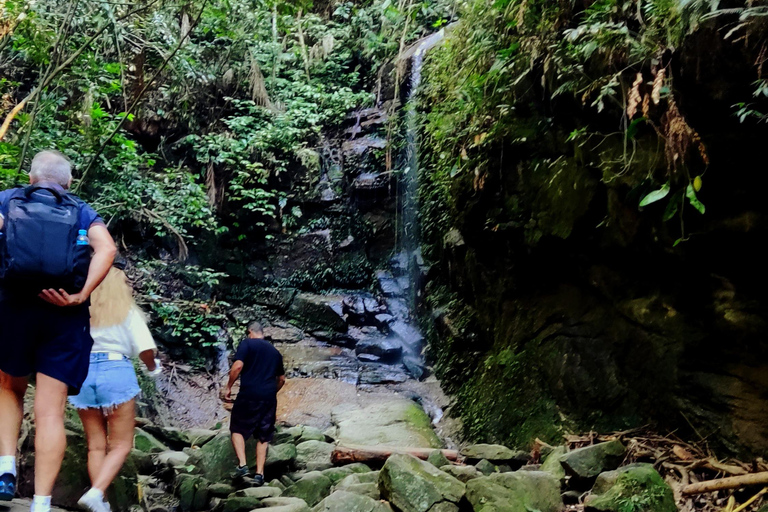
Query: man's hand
[(228, 393), (62, 298)]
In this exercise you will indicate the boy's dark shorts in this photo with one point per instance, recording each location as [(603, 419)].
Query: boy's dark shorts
[(251, 417), (37, 337)]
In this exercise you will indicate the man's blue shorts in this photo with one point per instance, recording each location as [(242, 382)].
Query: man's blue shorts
[(37, 337)]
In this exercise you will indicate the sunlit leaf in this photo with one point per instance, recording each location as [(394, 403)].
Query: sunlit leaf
[(656, 195)]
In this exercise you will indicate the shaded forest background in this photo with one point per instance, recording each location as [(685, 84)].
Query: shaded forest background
[(591, 189)]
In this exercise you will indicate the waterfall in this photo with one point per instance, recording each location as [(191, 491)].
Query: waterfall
[(410, 242)]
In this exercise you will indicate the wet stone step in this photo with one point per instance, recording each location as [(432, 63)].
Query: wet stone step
[(388, 284), (386, 349)]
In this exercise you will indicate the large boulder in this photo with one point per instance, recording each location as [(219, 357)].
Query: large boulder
[(552, 463), (314, 455), (284, 504), (520, 491), (395, 422), (639, 484), (216, 459), (172, 459), (239, 504), (495, 453), (312, 488), (280, 457), (318, 312), (193, 494), (413, 485), (588, 462), (438, 459), (265, 491), (341, 501), (462, 473)]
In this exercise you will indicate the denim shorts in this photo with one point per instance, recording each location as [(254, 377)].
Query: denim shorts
[(111, 382)]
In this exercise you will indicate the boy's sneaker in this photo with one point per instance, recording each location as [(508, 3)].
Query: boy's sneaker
[(240, 472), (258, 480), (93, 501), (7, 487)]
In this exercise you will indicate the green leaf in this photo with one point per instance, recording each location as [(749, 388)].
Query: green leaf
[(633, 127), (673, 206), (690, 193), (656, 195), (677, 242)]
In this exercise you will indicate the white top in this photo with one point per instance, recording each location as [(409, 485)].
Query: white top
[(129, 338)]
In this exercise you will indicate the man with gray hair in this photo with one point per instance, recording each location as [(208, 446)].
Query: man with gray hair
[(46, 277), (260, 368)]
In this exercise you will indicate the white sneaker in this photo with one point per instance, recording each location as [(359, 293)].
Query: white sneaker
[(93, 501)]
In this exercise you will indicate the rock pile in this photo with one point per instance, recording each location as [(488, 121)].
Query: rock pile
[(190, 471)]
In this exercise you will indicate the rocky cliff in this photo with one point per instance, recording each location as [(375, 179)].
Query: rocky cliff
[(554, 299)]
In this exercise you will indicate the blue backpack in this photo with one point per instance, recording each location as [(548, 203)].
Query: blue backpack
[(39, 247)]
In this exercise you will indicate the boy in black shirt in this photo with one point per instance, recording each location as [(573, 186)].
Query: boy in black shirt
[(260, 368)]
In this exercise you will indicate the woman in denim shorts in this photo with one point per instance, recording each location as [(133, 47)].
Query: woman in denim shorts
[(106, 402)]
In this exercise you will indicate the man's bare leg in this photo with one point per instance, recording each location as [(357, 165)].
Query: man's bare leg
[(12, 391), (238, 443), (50, 439), (261, 456)]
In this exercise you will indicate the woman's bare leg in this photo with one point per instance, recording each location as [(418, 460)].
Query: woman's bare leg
[(120, 425), (96, 433)]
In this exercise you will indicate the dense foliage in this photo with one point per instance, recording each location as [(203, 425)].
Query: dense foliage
[(550, 127), (192, 123)]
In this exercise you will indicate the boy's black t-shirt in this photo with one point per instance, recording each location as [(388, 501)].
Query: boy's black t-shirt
[(262, 364)]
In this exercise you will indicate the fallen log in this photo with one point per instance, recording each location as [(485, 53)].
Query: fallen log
[(373, 454), (732, 482)]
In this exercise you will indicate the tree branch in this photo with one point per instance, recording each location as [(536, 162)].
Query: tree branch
[(50, 76), (138, 98)]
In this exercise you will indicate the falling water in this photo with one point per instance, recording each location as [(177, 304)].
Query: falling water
[(410, 237)]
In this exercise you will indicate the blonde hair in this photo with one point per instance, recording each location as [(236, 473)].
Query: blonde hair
[(112, 300)]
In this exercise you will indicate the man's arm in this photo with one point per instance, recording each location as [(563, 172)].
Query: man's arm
[(280, 382), (234, 373), (104, 251)]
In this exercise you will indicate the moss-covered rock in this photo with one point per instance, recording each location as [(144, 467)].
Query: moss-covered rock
[(552, 463), (639, 488), (312, 488), (341, 501), (371, 477), (314, 455), (588, 462), (242, 504), (438, 459), (193, 494), (521, 491), (280, 457), (147, 443), (285, 504), (413, 485), (486, 467), (462, 473), (216, 459)]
